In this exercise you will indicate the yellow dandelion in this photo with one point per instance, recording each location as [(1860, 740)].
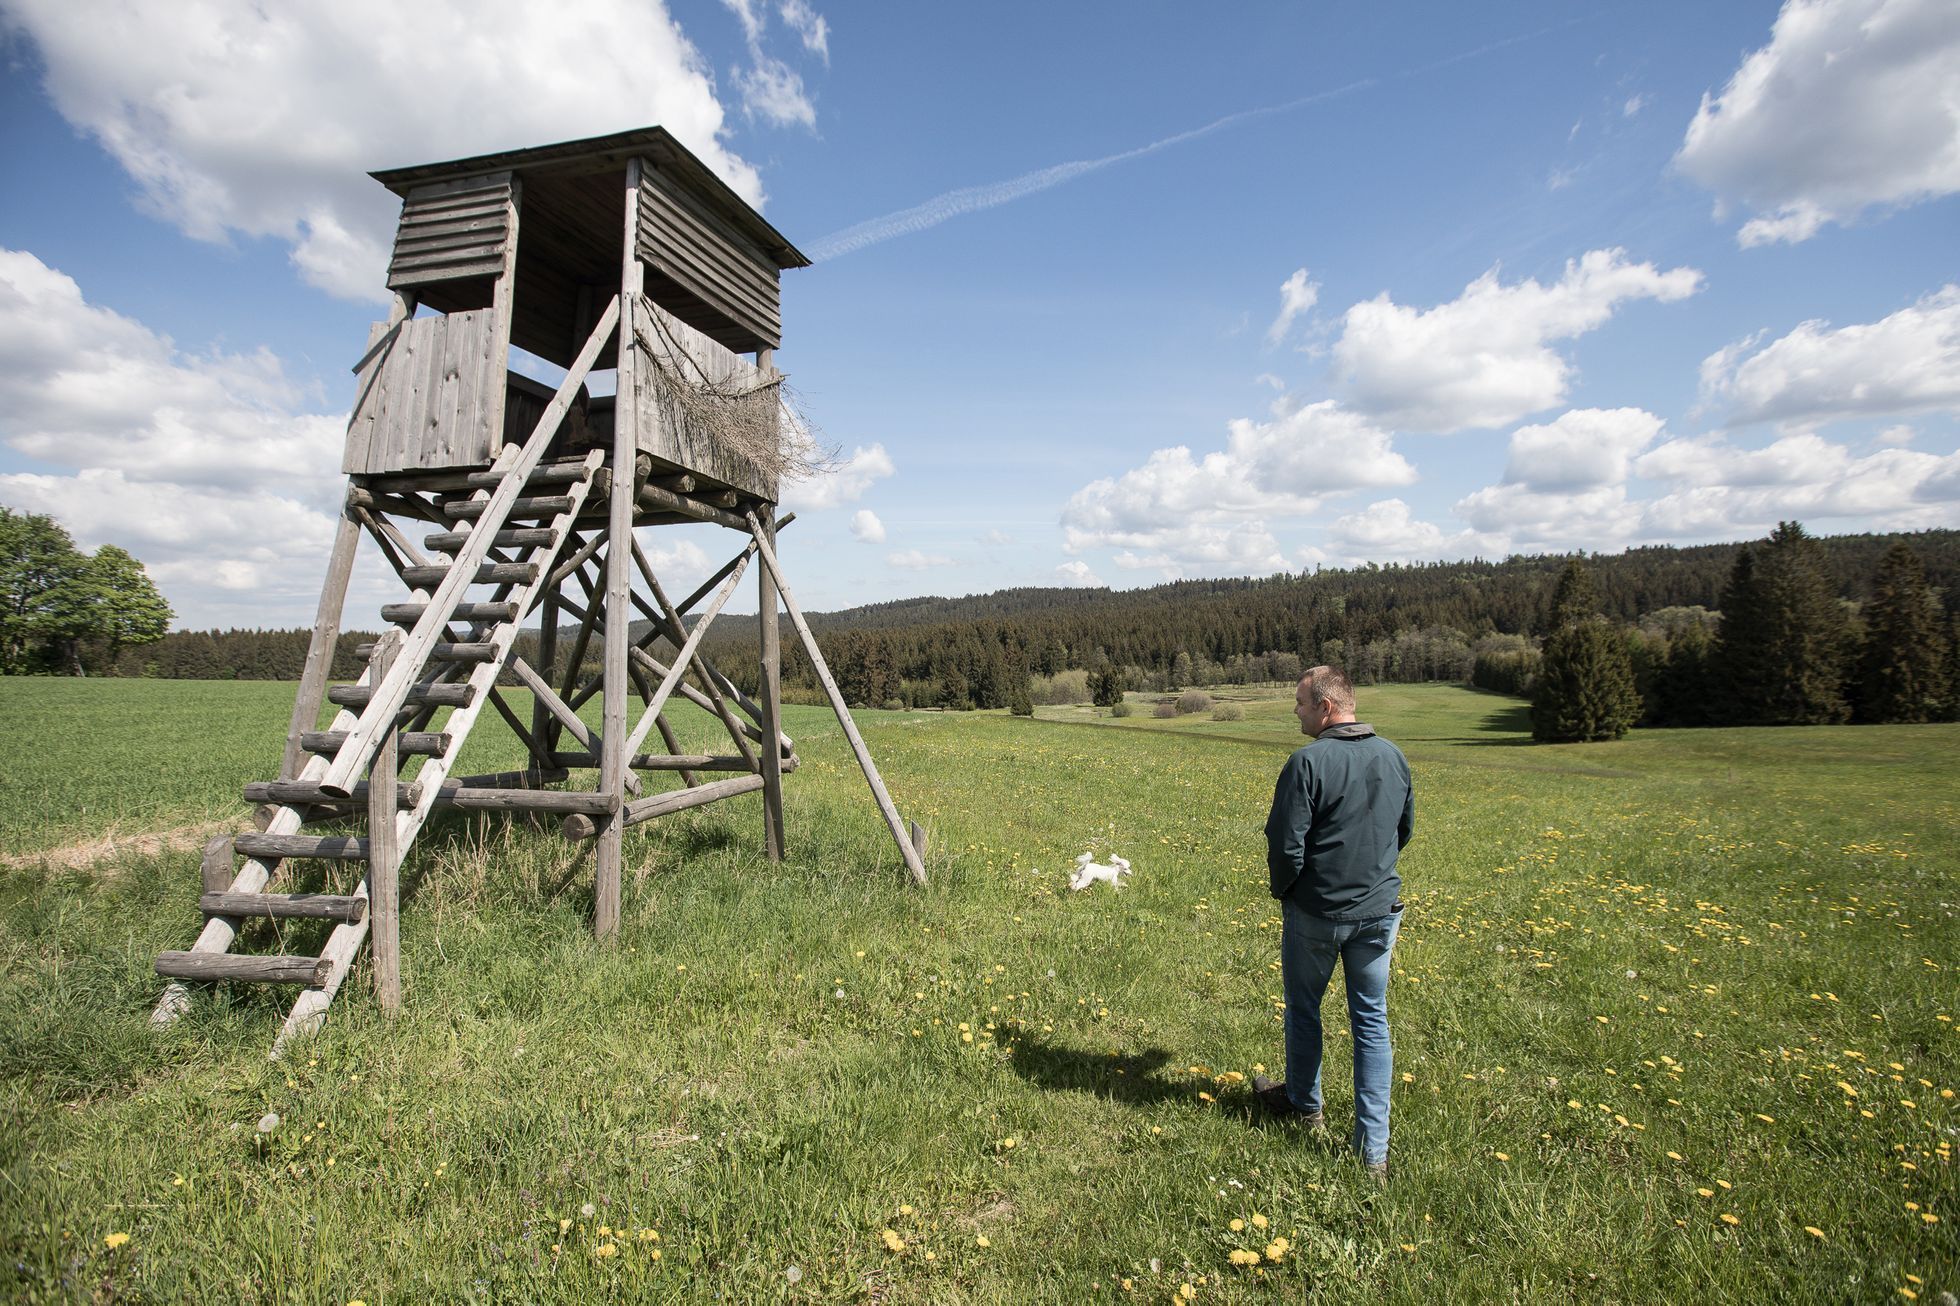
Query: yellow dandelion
[(115, 1240), (1813, 1231), (983, 1241), (1259, 1221), (893, 1243), (605, 1250), (1729, 1219), (1704, 1192), (1674, 1156), (1502, 1156), (1929, 1217), (1768, 1120), (1237, 1225), (905, 1209)]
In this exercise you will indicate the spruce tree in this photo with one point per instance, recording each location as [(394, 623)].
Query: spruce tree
[(1902, 675), (1585, 685), (1780, 653)]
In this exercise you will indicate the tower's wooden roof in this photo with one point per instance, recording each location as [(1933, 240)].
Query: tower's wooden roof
[(603, 154)]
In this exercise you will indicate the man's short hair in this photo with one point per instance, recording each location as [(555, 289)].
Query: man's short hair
[(1331, 686)]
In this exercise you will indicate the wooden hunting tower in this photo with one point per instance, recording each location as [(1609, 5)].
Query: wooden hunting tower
[(621, 250)]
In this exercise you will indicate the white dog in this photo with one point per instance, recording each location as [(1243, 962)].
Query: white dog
[(1088, 870)]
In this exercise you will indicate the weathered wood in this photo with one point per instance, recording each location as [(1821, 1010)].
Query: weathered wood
[(526, 508), (580, 828), (527, 800), (682, 762), (450, 541), (920, 836), (465, 652), (285, 906), (488, 573), (843, 711), (681, 659), (226, 966), (523, 732), (310, 793), (320, 648), (276, 847), (652, 496), (771, 691), (217, 869), (413, 743), (384, 849), (613, 749), (437, 396), (704, 668), (393, 688), (681, 483), (422, 695), (408, 614), (556, 706), (563, 472)]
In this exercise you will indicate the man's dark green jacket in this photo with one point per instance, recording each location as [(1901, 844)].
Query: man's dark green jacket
[(1343, 809)]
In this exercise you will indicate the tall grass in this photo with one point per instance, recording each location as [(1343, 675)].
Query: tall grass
[(1631, 972)]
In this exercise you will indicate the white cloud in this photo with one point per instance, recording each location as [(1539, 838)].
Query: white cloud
[(1852, 104), (809, 25), (1633, 106), (859, 472), (1297, 295), (866, 527), (1906, 363), (914, 560), (1526, 519), (1387, 529), (1485, 358), (1184, 515), (995, 538), (1077, 573), (208, 467), (1204, 549), (1583, 448), (1897, 437), (261, 120)]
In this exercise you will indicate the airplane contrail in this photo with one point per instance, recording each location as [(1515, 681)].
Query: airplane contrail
[(972, 199)]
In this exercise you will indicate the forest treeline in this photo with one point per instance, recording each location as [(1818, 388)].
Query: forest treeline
[(1477, 622)]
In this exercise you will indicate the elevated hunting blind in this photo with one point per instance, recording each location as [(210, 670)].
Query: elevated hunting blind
[(623, 250)]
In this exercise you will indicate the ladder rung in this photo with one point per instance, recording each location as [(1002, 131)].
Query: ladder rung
[(444, 652), (229, 966), (444, 695), (415, 743), (567, 473), (294, 793), (407, 614), (544, 505), (331, 847), (350, 908), (518, 538), (489, 573)]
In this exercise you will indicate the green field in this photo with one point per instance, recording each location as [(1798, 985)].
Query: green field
[(1674, 1021)]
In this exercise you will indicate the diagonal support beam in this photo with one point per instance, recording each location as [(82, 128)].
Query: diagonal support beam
[(837, 704)]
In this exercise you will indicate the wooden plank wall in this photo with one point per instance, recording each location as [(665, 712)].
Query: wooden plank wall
[(451, 231), (668, 434), (700, 252), (432, 398)]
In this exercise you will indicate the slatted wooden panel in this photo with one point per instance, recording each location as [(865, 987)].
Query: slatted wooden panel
[(433, 397), (712, 262), (670, 436), (452, 231)]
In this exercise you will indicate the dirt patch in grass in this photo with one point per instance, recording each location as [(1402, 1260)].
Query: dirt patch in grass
[(109, 847)]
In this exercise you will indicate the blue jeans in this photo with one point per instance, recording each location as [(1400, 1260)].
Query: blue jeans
[(1309, 946)]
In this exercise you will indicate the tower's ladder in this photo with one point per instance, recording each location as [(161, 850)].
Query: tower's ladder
[(511, 531)]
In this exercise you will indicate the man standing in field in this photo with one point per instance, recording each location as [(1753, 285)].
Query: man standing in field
[(1343, 810)]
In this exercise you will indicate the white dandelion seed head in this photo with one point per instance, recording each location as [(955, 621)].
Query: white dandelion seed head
[(588, 1210), (268, 1122), (793, 1274)]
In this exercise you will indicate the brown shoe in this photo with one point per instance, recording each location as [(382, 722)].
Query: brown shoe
[(1272, 1095), (1378, 1171)]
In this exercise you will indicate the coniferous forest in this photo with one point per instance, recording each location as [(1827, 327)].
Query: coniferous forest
[(1849, 627)]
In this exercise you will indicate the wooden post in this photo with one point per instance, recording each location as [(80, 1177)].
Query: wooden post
[(837, 704), (619, 569), (320, 650), (384, 854), (770, 691), (218, 869)]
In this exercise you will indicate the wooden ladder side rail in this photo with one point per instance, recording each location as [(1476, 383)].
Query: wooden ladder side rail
[(220, 931), (837, 704), (310, 1009), (431, 625)]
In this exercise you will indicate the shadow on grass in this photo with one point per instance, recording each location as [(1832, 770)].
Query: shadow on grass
[(1140, 1078)]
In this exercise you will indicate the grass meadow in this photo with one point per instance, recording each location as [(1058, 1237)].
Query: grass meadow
[(1674, 1021)]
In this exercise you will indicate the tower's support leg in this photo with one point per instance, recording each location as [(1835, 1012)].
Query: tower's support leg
[(319, 652), (770, 694), (619, 572)]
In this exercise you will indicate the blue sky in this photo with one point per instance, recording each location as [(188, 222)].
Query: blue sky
[(1103, 295)]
